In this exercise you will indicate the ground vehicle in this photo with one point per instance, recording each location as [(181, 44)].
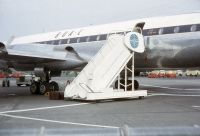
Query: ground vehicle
[(161, 74), (24, 80), (192, 73), (153, 74), (170, 74), (143, 74), (179, 73)]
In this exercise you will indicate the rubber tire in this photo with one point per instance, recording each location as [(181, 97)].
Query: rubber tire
[(19, 85), (136, 85), (34, 87), (8, 83), (53, 86), (3, 83), (44, 87)]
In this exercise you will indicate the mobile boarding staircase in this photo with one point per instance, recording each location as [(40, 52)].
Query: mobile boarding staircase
[(95, 80)]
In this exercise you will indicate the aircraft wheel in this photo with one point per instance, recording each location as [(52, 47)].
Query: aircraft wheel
[(44, 87), (136, 84), (53, 86), (34, 87)]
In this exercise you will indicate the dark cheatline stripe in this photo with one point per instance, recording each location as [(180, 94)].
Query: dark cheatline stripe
[(146, 32), (198, 27), (172, 30)]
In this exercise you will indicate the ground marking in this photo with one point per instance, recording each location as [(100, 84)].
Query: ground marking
[(59, 122), (181, 95), (170, 87), (195, 106), (44, 108)]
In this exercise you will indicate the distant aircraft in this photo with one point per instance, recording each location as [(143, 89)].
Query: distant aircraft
[(170, 42)]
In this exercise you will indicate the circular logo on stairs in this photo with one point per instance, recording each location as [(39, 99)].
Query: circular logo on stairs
[(134, 41)]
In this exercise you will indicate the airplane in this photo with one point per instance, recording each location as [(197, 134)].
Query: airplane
[(170, 42)]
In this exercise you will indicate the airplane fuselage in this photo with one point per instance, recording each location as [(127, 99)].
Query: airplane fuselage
[(170, 42)]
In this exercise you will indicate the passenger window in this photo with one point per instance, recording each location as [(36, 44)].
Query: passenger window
[(103, 37), (65, 41), (52, 42), (160, 31), (176, 29), (98, 37), (83, 39), (49, 42), (60, 41), (56, 42), (193, 28), (78, 40), (88, 39), (93, 38), (73, 40)]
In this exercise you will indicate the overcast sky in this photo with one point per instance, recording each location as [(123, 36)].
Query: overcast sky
[(25, 17)]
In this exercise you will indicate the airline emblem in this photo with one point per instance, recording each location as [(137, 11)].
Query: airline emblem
[(135, 42)]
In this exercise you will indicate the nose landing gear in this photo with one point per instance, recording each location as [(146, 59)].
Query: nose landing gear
[(42, 85)]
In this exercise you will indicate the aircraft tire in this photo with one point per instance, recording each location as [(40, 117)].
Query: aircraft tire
[(3, 83), (53, 86), (44, 87), (136, 84), (34, 88)]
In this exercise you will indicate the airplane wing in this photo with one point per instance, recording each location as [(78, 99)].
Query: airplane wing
[(42, 54), (42, 51)]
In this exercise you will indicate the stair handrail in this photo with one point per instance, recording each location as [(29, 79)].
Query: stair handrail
[(87, 87)]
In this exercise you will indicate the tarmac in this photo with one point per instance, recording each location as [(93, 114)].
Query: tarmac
[(170, 103)]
